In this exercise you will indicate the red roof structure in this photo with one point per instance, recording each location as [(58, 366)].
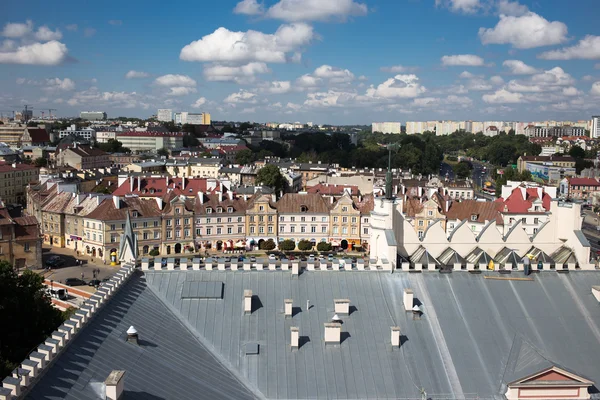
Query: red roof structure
[(38, 135), (333, 190), (522, 199), (160, 186), (584, 182)]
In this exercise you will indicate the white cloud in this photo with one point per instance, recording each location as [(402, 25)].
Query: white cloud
[(497, 80), (8, 45), (315, 10), (466, 75), (555, 76), (464, 6), (469, 60), (588, 48), (525, 87), (507, 7), (172, 80), (45, 34), (50, 53), (595, 89), (334, 74), (519, 67), (241, 74), (93, 97), (279, 87), (243, 96), (71, 27), (331, 98), (136, 74), (249, 7), (503, 96), (17, 30), (57, 84), (181, 91), (398, 69), (597, 66), (199, 103), (452, 100), (225, 45), (571, 91), (524, 32), (479, 84), (116, 22), (248, 110), (400, 86), (307, 81)]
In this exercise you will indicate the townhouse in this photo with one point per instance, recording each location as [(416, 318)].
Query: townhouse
[(220, 221), (345, 223), (177, 224), (303, 216), (261, 219)]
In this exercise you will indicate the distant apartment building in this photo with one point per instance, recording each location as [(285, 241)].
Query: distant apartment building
[(580, 188), (14, 179), (11, 134), (595, 130), (83, 157), (164, 114), (93, 115), (105, 136), (86, 133), (180, 117), (443, 128), (554, 131), (198, 118), (386, 127), (414, 127), (150, 141)]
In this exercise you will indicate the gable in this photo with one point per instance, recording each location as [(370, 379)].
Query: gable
[(550, 376), (553, 376)]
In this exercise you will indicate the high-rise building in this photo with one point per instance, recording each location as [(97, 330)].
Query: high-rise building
[(386, 127), (198, 119), (164, 114), (93, 115), (595, 131)]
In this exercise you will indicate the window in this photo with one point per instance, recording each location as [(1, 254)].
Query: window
[(145, 235), (281, 228), (252, 218), (335, 230), (168, 234), (429, 222), (198, 232), (261, 208), (292, 229), (134, 214), (219, 231), (270, 229), (87, 224), (473, 228), (474, 217), (208, 220), (345, 209), (219, 220), (536, 220), (365, 231), (261, 229), (186, 221), (345, 220), (353, 220), (303, 209), (113, 238), (420, 233), (252, 230), (178, 222), (145, 224), (178, 211), (186, 233), (261, 218), (229, 209), (169, 222), (229, 220), (303, 229), (323, 219), (535, 230), (208, 210), (178, 233), (313, 219), (239, 219), (209, 231), (293, 219), (313, 229), (430, 213), (524, 220), (134, 225), (156, 224), (451, 226), (26, 246), (270, 218), (94, 237), (420, 223), (354, 231), (281, 219), (219, 209), (302, 219), (113, 227), (240, 229), (335, 219)]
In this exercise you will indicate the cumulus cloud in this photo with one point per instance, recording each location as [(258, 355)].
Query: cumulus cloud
[(400, 86), (469, 60), (555, 76), (17, 30), (71, 27), (239, 74), (249, 7), (315, 10), (46, 34), (497, 80), (453, 101), (570, 91), (243, 96), (588, 48), (59, 85), (199, 103), (398, 69), (331, 98), (94, 97), (595, 89), (503, 96), (307, 81), (49, 53), (172, 80), (519, 67), (467, 75), (464, 6), (224, 45), (136, 74), (334, 74), (507, 7), (116, 22), (279, 87), (524, 32), (181, 91)]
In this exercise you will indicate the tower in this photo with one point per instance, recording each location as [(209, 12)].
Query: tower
[(128, 249)]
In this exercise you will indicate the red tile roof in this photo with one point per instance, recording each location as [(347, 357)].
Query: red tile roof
[(7, 167), (516, 203), (38, 135), (151, 133), (159, 187), (584, 182), (484, 210), (107, 211), (337, 190)]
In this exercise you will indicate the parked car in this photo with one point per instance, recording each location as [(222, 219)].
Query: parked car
[(311, 257), (54, 262), (292, 258), (252, 259), (61, 294), (330, 257), (75, 282), (241, 259), (95, 282), (272, 257), (302, 258)]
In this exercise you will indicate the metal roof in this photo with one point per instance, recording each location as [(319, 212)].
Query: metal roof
[(422, 256), (474, 336), (450, 257), (478, 256), (507, 256), (169, 362), (564, 255)]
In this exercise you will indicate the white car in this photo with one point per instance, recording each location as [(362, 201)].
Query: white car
[(272, 257)]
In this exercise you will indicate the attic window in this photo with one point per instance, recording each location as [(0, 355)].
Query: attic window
[(152, 191), (134, 214), (303, 209), (208, 210), (229, 209), (474, 217), (219, 209)]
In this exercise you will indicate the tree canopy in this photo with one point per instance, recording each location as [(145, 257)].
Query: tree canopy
[(40, 162), (113, 146), (27, 307), (269, 175), (462, 169)]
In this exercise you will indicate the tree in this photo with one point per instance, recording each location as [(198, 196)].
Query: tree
[(305, 245), (153, 252), (269, 175), (287, 245), (577, 152), (163, 152), (23, 302), (113, 146), (267, 245), (462, 169), (324, 246), (190, 141), (244, 157), (40, 162)]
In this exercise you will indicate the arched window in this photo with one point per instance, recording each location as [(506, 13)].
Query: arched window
[(303, 208)]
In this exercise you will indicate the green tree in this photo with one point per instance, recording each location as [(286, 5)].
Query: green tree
[(163, 152), (324, 246), (269, 175), (267, 245), (577, 152), (305, 245), (154, 252), (40, 162), (27, 307), (244, 157), (190, 141), (462, 169), (113, 146), (287, 245)]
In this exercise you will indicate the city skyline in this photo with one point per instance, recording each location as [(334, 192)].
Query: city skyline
[(343, 62)]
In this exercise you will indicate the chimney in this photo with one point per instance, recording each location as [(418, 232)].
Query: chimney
[(331, 199), (132, 335), (117, 201), (14, 165), (395, 336), (247, 302), (295, 337), (131, 184), (139, 184), (114, 385), (341, 306), (408, 299), (333, 333), (596, 292), (201, 197), (183, 182), (220, 196), (159, 203), (287, 307), (167, 180)]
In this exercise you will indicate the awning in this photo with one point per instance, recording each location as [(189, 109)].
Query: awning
[(335, 243), (240, 244)]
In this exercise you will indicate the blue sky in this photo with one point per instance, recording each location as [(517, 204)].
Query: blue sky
[(325, 61)]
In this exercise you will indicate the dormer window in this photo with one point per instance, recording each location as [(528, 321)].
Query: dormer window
[(219, 209), (152, 191), (474, 217), (230, 209), (134, 214), (208, 210), (303, 209)]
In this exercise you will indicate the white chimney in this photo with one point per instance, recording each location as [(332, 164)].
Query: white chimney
[(341, 306), (131, 184), (247, 301), (596, 292), (295, 337), (287, 307), (220, 196), (395, 336), (132, 335), (114, 385), (331, 199), (159, 203), (408, 299), (117, 201), (139, 184), (333, 333), (167, 180), (201, 197), (183, 182)]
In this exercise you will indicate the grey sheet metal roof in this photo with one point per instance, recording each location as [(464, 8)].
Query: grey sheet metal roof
[(474, 336), (451, 257), (390, 237), (169, 363), (582, 239)]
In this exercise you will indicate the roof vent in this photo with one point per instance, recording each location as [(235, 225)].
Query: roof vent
[(336, 319), (132, 335)]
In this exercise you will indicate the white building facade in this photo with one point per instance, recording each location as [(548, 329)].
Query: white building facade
[(386, 127)]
